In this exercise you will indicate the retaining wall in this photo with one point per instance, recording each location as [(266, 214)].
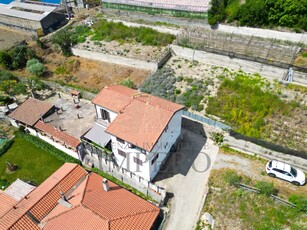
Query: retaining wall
[(152, 66)]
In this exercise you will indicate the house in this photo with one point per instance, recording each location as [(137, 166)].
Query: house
[(72, 198), (140, 129), (31, 114)]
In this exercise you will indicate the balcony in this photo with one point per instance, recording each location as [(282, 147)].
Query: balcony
[(102, 122)]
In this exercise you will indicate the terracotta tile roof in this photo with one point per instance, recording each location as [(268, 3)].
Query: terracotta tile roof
[(80, 218), (57, 134), (92, 207), (115, 209), (6, 203), (141, 117), (114, 97), (31, 111), (44, 198)]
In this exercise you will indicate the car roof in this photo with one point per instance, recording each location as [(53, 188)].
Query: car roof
[(281, 165)]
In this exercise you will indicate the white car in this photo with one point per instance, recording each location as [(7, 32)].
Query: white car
[(286, 172)]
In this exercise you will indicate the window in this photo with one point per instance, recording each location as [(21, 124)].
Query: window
[(143, 151), (132, 146), (137, 161), (122, 153), (120, 140), (105, 115), (154, 159)]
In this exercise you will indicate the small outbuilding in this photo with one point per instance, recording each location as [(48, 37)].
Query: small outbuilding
[(30, 16)]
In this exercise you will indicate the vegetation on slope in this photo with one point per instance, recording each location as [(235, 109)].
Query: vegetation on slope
[(245, 103), (258, 13)]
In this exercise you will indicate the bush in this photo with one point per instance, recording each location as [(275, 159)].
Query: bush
[(266, 188), (300, 201), (232, 178), (47, 147), (128, 83), (5, 147), (35, 67), (109, 31)]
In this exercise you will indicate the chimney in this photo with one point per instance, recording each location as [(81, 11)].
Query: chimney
[(105, 185), (63, 197)]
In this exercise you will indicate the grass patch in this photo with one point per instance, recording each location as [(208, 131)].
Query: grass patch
[(109, 31), (298, 88), (34, 164), (245, 102), (231, 206)]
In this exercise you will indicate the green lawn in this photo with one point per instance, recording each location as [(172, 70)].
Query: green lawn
[(34, 164)]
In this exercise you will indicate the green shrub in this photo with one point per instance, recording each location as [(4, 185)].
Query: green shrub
[(128, 83), (266, 188), (232, 178), (5, 147), (300, 201)]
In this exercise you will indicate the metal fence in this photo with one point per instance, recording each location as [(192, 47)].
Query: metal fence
[(148, 188), (238, 46), (206, 120)]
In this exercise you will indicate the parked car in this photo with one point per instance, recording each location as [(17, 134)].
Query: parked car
[(286, 172)]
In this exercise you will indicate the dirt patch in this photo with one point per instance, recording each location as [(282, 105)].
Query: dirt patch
[(10, 38), (86, 73), (129, 50)]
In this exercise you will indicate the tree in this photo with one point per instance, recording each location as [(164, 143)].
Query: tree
[(20, 55), (65, 39), (35, 67), (34, 84), (216, 13), (7, 86), (5, 59)]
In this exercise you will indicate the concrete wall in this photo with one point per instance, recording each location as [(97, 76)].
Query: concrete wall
[(152, 66), (238, 64)]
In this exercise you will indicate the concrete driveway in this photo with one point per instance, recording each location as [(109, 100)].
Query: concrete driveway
[(185, 176)]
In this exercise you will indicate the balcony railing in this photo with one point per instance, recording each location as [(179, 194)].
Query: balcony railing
[(102, 122)]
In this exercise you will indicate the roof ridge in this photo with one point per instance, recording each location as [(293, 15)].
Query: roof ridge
[(133, 214), (155, 104), (37, 200), (68, 210), (83, 195), (118, 91)]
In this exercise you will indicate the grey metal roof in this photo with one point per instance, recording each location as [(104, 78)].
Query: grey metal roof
[(32, 6), (98, 135), (8, 11)]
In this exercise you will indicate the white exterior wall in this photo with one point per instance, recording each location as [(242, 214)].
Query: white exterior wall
[(128, 161), (163, 146), (165, 143), (13, 122), (58, 146), (113, 115)]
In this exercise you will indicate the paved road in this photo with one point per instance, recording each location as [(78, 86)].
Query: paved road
[(265, 33), (185, 177)]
